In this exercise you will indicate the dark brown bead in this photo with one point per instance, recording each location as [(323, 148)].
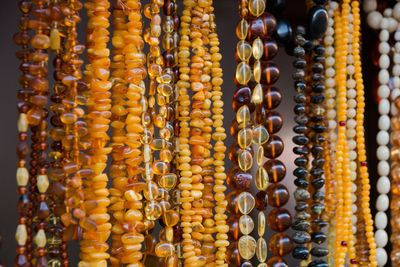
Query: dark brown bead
[(270, 73), (279, 220), (262, 26), (273, 122), (276, 170), (270, 49), (233, 223), (232, 207), (232, 255), (168, 7), (261, 200), (239, 180), (278, 195), (242, 97), (281, 244), (235, 150), (22, 150), (273, 148), (272, 97)]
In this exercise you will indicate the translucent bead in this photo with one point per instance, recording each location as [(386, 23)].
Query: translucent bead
[(153, 211), (243, 50), (260, 134), (258, 95), (246, 224), (258, 48), (246, 202), (54, 263), (245, 160), (243, 73), (257, 7), (245, 137), (242, 29), (261, 178), (257, 71), (164, 250), (168, 181), (243, 115), (165, 89), (260, 156), (261, 223), (160, 167), (55, 39), (261, 251), (247, 247), (151, 191), (171, 218)]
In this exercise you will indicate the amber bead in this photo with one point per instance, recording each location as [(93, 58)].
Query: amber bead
[(262, 26), (276, 170), (272, 97), (281, 244), (232, 206), (261, 200), (278, 195), (233, 223), (238, 179), (273, 122), (270, 49), (232, 255), (242, 97), (273, 148), (277, 262), (279, 220), (270, 73)]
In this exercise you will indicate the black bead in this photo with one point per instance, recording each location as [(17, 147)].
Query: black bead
[(300, 140), (284, 32), (317, 263), (299, 52), (299, 109), (318, 237), (300, 86), (320, 2), (318, 162), (301, 225), (301, 120), (317, 172), (300, 150), (302, 215), (318, 208), (319, 59), (301, 161), (301, 206), (298, 75), (299, 40), (299, 63), (317, 67), (318, 196), (299, 98), (319, 50), (300, 129), (303, 183), (317, 151), (300, 252), (318, 88), (318, 138), (300, 172), (317, 99), (317, 118), (319, 252), (316, 77), (301, 237), (308, 46), (317, 22), (318, 183), (319, 223), (318, 128), (276, 6)]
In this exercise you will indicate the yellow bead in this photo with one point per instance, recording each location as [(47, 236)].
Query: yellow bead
[(42, 183), (246, 202), (21, 235), (257, 7), (22, 176), (246, 224), (243, 73), (244, 50), (40, 239), (247, 247)]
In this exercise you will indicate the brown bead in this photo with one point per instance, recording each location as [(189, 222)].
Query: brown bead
[(281, 244), (270, 49), (233, 223), (232, 206), (238, 179), (242, 97), (261, 200), (273, 122), (273, 148), (277, 262), (279, 220), (276, 170), (272, 97), (232, 255), (262, 26), (278, 195), (270, 73)]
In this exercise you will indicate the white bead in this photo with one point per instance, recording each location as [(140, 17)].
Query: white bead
[(383, 91), (353, 196), (383, 185), (382, 138), (384, 122), (351, 83), (22, 124), (350, 69), (397, 44), (353, 190), (382, 202), (384, 61), (381, 220), (396, 58), (388, 12), (352, 145), (351, 123), (351, 112), (328, 40), (381, 238), (396, 81), (334, 5), (330, 51), (384, 106), (331, 93), (374, 20), (330, 72), (383, 76), (383, 153), (384, 48), (393, 109), (350, 59), (352, 154), (395, 92), (384, 23), (396, 70), (330, 30), (384, 35), (353, 166), (330, 82), (370, 5), (354, 219), (392, 24), (383, 168), (331, 114), (351, 103), (381, 257), (396, 11), (332, 124)]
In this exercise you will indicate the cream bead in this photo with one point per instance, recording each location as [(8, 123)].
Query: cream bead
[(374, 20), (383, 153), (42, 183), (384, 122), (22, 176), (384, 106), (384, 61), (383, 185), (369, 5), (384, 35), (381, 238), (381, 220), (382, 202), (351, 112), (40, 238), (382, 138), (383, 91), (392, 24), (383, 168), (396, 70), (22, 124), (21, 235), (396, 11), (383, 76), (381, 256), (384, 48)]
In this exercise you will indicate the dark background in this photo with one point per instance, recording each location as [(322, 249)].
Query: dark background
[(226, 18)]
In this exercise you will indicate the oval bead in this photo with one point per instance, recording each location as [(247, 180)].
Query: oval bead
[(245, 203)]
